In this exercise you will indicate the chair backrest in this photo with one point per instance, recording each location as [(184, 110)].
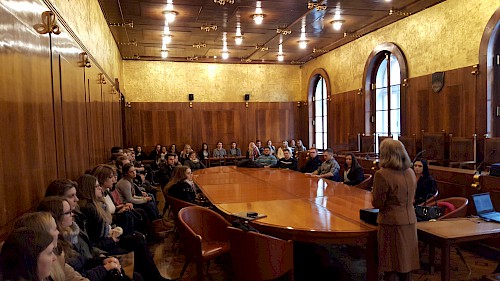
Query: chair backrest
[(430, 200), (462, 149), (257, 256), (177, 205), (435, 146), (460, 204), (368, 143), (367, 183), (203, 222), (410, 143)]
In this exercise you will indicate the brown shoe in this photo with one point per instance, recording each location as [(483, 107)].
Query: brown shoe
[(158, 226)]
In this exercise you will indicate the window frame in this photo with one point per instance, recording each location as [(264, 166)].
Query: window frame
[(376, 57), (315, 77)]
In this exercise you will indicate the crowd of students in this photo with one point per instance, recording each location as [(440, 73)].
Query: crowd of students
[(81, 226)]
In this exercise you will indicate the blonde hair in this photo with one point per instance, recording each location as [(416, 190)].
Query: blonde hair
[(393, 155), (38, 221)]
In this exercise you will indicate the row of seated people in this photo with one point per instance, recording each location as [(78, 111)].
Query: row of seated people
[(160, 152), (89, 222)]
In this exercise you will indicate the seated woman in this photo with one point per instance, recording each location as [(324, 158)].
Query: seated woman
[(27, 255), (44, 222), (184, 155), (426, 185), (99, 230), (204, 152), (193, 162), (126, 189), (353, 172), (78, 251), (181, 185)]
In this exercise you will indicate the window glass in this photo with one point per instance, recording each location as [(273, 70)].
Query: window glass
[(387, 96), (320, 113)]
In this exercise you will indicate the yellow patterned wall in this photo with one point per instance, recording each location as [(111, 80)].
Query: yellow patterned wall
[(443, 37), (158, 81), (86, 19)]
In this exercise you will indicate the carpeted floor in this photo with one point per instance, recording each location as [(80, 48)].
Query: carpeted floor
[(324, 262)]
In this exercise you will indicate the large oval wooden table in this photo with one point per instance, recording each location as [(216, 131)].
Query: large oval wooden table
[(298, 207)]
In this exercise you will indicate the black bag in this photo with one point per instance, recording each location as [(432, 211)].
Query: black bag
[(426, 213), (127, 220)]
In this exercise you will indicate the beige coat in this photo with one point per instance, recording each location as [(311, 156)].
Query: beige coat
[(393, 193), (62, 271)]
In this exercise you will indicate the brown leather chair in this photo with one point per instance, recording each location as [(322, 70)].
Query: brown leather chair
[(460, 204), (431, 199), (367, 183), (257, 256), (204, 236), (175, 206)]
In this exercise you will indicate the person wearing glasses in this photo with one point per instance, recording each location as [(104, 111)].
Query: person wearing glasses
[(313, 163)]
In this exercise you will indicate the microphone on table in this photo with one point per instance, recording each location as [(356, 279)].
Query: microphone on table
[(478, 170), (416, 156)]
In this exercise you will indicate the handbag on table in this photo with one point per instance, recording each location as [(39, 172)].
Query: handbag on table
[(429, 212)]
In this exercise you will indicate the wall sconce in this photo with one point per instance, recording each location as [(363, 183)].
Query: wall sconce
[(209, 27), (360, 91), (304, 103), (283, 30), (299, 104), (405, 83), (475, 69), (102, 80), (84, 60), (48, 24), (329, 98), (246, 104), (128, 105)]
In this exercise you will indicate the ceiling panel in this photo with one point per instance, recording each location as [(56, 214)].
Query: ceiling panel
[(144, 40)]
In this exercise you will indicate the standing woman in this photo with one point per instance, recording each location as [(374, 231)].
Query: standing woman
[(27, 255), (426, 185), (394, 188), (353, 172)]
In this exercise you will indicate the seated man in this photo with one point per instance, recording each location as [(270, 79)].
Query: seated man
[(219, 152), (266, 159), (287, 162), (313, 163), (330, 169)]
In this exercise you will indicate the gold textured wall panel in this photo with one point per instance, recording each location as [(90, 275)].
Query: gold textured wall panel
[(86, 19), (158, 81), (443, 37)]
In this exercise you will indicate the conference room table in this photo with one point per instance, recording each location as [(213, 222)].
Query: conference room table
[(297, 206)]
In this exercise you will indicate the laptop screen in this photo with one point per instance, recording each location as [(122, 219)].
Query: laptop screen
[(483, 203)]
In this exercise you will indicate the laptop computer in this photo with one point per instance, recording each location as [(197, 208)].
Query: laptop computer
[(484, 207)]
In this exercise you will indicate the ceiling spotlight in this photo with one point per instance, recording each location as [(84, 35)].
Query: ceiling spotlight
[(238, 40), (258, 17), (303, 43), (167, 38), (337, 24), (170, 15), (164, 54)]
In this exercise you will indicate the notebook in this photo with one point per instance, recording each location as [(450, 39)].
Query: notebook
[(484, 207)]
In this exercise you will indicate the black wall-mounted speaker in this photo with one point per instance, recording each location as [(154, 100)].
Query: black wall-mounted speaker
[(247, 97), (191, 97)]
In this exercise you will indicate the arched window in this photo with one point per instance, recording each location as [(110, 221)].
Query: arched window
[(385, 73), (387, 97), (319, 99)]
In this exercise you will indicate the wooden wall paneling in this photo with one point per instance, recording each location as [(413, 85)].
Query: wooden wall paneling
[(273, 122), (346, 113), (108, 122), (98, 154), (71, 89), (117, 120), (27, 137)]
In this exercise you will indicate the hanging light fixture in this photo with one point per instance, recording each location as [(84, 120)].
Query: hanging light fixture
[(303, 41), (167, 38), (258, 17), (164, 54), (337, 21), (169, 12), (225, 52), (280, 56), (238, 39)]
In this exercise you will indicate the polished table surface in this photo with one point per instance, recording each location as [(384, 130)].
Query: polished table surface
[(445, 233), (298, 207)]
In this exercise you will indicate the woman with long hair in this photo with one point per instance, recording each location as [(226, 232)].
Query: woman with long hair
[(426, 185), (74, 242), (44, 222), (394, 188), (353, 172), (204, 152), (27, 255), (181, 185)]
